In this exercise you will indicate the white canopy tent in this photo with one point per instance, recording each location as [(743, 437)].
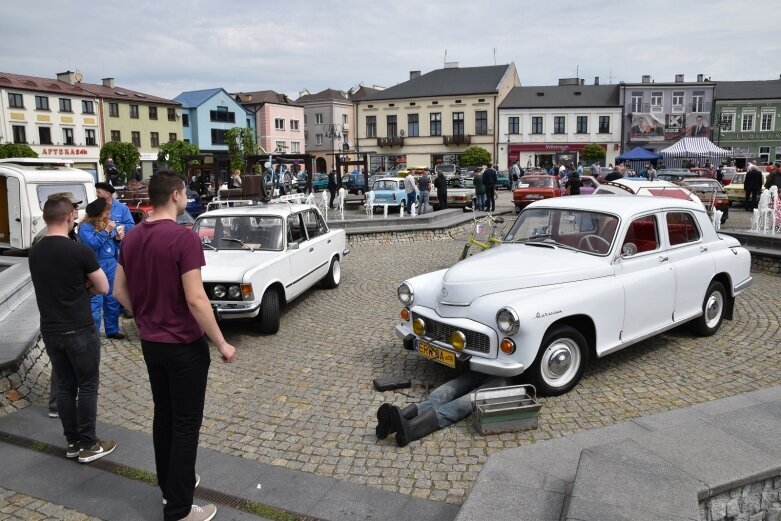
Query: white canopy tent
[(694, 148)]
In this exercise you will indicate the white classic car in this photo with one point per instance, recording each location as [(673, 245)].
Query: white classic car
[(258, 257), (575, 277)]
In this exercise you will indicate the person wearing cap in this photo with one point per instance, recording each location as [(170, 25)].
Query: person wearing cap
[(98, 231), (64, 274), (121, 217)]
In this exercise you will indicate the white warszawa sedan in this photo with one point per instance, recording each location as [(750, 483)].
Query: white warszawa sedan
[(576, 277), (259, 257)]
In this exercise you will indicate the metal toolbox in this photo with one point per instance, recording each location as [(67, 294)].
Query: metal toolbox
[(505, 409)]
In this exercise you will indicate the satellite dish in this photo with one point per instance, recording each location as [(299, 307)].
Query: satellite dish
[(78, 76)]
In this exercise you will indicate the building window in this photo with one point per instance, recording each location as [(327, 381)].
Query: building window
[(435, 123), (65, 105), (698, 101), (514, 125), (154, 137), (581, 125), (16, 101), (185, 120), (304, 119), (171, 137), (537, 127), (604, 124), (44, 135), (295, 147), (116, 136), (41, 103), (89, 137), (222, 115), (67, 136), (767, 121), (371, 126), (294, 124), (558, 125), (656, 101), (678, 100), (152, 112), (748, 123), (727, 122), (481, 122), (637, 101), (113, 110), (413, 125), (279, 124), (171, 114), (135, 138), (318, 139), (281, 147), (318, 118), (458, 123), (218, 136), (87, 107), (764, 154), (344, 119), (134, 111), (393, 130), (20, 136)]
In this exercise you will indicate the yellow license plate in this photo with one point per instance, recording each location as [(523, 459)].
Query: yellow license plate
[(438, 355)]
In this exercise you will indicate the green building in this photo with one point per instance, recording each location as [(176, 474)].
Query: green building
[(748, 120)]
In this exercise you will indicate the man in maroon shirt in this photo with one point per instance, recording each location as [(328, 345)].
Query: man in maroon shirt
[(159, 280)]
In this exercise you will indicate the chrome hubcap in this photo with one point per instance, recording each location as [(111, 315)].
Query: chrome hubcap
[(713, 308), (560, 362)]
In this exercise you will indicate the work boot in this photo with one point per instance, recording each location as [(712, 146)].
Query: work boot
[(418, 427), (385, 416)]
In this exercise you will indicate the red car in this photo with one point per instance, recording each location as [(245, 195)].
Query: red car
[(534, 188), (140, 210), (703, 172)]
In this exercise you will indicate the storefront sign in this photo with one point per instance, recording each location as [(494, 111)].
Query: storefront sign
[(551, 147), (65, 152), (758, 136), (739, 151)]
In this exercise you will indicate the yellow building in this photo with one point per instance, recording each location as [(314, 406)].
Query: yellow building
[(432, 118)]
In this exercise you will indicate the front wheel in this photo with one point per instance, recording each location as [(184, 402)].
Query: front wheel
[(712, 310), (334, 275), (268, 318), (561, 361)]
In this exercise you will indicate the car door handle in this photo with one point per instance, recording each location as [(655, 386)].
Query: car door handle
[(663, 258), (703, 249), (311, 250), (329, 241)]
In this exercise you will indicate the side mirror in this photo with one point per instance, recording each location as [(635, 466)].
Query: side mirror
[(629, 249), (293, 246)]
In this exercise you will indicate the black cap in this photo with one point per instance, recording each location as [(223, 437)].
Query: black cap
[(95, 207), (105, 186)]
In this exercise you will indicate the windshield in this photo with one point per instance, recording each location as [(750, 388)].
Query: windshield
[(582, 230), (739, 178), (78, 190), (539, 182), (245, 232)]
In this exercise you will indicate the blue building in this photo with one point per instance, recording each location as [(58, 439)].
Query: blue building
[(208, 114)]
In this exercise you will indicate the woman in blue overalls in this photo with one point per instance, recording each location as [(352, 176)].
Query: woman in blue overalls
[(99, 232)]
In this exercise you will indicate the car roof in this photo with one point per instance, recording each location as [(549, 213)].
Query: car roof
[(622, 206), (640, 182), (390, 179), (275, 209), (47, 171)]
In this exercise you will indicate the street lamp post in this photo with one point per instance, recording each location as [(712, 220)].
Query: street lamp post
[(333, 131)]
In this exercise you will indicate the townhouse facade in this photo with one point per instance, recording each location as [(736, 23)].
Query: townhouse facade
[(657, 115), (748, 120), (278, 121), (329, 120), (432, 118), (543, 125)]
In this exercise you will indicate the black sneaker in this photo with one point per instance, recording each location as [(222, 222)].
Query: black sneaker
[(116, 336), (97, 451), (72, 451)]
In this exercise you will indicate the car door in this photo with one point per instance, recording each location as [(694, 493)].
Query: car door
[(298, 256), (647, 277), (318, 246), (691, 261)]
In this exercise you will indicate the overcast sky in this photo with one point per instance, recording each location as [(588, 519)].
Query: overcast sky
[(164, 47)]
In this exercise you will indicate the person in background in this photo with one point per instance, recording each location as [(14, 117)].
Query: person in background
[(411, 189), (573, 184), (752, 185), (650, 173), (596, 170), (479, 190), (236, 178), (424, 185), (440, 183), (332, 187), (121, 216), (515, 174), (579, 169), (489, 181)]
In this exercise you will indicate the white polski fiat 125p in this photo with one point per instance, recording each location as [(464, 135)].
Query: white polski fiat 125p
[(576, 277), (261, 256)]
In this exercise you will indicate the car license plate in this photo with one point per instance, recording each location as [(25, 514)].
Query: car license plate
[(533, 196), (438, 355)]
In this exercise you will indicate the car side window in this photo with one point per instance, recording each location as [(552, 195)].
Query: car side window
[(681, 228), (314, 224), (642, 234), (295, 230)]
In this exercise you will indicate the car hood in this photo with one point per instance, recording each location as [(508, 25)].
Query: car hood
[(518, 266), (231, 266)]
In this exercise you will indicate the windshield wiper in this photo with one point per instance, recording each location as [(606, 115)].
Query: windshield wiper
[(204, 243), (534, 237), (243, 245)]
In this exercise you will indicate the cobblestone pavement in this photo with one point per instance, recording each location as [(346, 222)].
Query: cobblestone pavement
[(15, 506), (303, 398)]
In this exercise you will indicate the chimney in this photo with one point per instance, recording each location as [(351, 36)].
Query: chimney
[(569, 81), (67, 77), (679, 78), (303, 93), (596, 80), (646, 78), (700, 78), (451, 65), (108, 82), (414, 74)]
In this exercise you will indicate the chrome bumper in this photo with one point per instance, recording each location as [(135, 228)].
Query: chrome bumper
[(235, 312), (742, 286)]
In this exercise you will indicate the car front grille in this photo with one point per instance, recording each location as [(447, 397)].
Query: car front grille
[(441, 331)]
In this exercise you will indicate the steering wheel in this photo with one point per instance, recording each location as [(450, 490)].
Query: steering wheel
[(587, 240)]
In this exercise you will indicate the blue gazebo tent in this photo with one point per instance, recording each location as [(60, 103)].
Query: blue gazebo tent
[(638, 157)]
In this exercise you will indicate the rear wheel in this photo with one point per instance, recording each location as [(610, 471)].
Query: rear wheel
[(268, 318), (712, 310), (561, 361), (334, 275)]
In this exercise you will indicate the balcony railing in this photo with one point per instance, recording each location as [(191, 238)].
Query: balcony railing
[(394, 141), (457, 139)]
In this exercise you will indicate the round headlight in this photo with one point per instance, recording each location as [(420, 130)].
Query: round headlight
[(219, 291), (234, 292), (418, 326), (405, 293), (458, 340), (507, 321)]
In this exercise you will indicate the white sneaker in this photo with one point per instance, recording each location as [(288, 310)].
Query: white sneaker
[(204, 513), (197, 480)]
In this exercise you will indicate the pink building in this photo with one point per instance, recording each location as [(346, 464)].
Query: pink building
[(279, 121)]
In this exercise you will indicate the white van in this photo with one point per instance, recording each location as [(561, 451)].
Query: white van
[(25, 184)]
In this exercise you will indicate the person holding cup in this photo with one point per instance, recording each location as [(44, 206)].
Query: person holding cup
[(120, 214)]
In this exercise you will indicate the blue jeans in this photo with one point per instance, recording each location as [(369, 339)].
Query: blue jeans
[(410, 201), (106, 304), (451, 400), (424, 195), (480, 201), (75, 358)]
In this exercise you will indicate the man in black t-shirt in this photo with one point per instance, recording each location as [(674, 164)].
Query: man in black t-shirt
[(64, 274)]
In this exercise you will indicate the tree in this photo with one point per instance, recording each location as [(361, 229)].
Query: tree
[(173, 152), (125, 156), (16, 150), (592, 153), (475, 156), (241, 143)]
